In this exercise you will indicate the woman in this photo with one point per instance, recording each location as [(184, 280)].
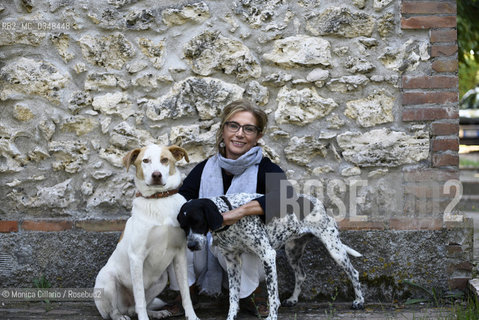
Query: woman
[(239, 166)]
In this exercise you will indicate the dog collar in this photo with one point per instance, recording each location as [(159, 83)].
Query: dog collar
[(228, 203), (158, 195)]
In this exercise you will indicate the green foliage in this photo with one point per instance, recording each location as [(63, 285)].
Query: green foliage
[(463, 307), (468, 74), (468, 41), (41, 283), (469, 311), (468, 28), (434, 296), (468, 163)]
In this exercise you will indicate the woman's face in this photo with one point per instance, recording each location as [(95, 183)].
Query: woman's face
[(238, 143)]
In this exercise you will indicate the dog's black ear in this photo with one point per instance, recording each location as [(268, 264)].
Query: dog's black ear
[(212, 214), (181, 217)]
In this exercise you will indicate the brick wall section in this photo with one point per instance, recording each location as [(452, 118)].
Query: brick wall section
[(443, 50), (445, 144), (445, 65), (421, 98), (430, 113), (433, 97), (45, 225), (119, 225), (460, 270), (445, 159), (444, 129), (100, 225), (429, 82), (441, 35), (8, 226), (428, 7), (426, 22)]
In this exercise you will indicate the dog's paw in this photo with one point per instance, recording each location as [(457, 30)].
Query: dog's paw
[(120, 317), (289, 303), (159, 314), (357, 306)]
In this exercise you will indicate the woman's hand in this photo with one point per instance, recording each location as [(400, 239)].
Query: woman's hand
[(248, 209), (231, 217)]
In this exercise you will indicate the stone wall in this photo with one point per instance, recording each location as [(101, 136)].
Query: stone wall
[(361, 97)]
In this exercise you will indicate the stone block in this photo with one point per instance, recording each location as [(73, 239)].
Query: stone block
[(301, 107), (111, 51), (367, 149), (371, 111), (194, 12), (206, 96), (341, 21), (300, 50), (25, 76), (405, 56), (302, 150), (474, 287), (211, 51)]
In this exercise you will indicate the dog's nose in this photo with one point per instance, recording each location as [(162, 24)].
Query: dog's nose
[(156, 175), (193, 245)]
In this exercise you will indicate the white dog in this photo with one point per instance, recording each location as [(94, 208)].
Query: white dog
[(135, 273)]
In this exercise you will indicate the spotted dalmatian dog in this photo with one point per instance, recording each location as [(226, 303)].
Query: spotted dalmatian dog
[(250, 234)]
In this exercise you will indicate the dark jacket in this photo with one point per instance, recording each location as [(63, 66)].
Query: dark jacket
[(269, 177)]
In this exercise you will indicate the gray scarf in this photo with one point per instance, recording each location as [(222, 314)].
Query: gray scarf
[(245, 171)]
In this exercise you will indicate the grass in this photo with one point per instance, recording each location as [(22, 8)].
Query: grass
[(463, 307), (433, 296), (469, 311), (42, 283), (468, 163), (331, 312)]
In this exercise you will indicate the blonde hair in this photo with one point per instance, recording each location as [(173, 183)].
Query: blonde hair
[(235, 107)]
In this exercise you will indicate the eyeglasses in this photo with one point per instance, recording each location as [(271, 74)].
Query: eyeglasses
[(248, 129)]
